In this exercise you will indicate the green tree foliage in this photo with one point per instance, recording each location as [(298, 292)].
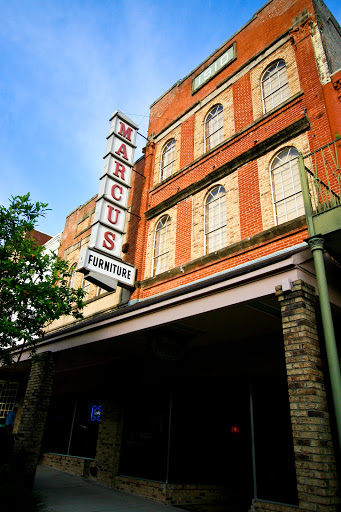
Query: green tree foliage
[(33, 284)]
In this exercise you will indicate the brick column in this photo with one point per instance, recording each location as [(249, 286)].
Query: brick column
[(106, 464), (314, 454), (30, 432)]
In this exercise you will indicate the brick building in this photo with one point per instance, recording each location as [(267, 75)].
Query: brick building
[(208, 383)]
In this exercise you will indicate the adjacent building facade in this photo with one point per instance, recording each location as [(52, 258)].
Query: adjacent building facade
[(208, 382)]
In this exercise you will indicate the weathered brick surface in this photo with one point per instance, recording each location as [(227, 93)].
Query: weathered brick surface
[(73, 465), (263, 506), (33, 415), (172, 494), (313, 445)]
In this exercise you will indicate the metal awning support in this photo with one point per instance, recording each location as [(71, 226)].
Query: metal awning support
[(316, 244)]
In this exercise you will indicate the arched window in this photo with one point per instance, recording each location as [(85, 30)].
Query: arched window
[(215, 219), (286, 186), (161, 245), (275, 85), (214, 127), (72, 277), (99, 291), (167, 160), (85, 284)]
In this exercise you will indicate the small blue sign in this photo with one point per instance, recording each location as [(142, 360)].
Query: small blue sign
[(96, 411)]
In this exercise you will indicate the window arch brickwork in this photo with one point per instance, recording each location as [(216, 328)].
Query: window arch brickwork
[(161, 247), (286, 185), (215, 219), (214, 127), (275, 85), (230, 184), (149, 266), (159, 146), (264, 163), (286, 53), (167, 163), (226, 100)]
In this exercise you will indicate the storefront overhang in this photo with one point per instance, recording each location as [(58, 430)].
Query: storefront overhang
[(242, 284)]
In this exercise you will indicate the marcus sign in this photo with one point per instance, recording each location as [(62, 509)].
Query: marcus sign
[(101, 262)]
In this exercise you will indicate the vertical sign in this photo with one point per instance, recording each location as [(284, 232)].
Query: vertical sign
[(102, 261)]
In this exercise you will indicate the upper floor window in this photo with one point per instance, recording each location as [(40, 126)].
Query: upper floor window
[(161, 245), (167, 160), (85, 284), (275, 85), (286, 186), (99, 291), (214, 127), (215, 219), (72, 276)]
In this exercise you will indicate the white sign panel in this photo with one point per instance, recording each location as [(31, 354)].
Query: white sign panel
[(111, 209), (117, 170), (110, 268), (106, 240), (110, 215), (115, 192), (121, 150), (122, 126)]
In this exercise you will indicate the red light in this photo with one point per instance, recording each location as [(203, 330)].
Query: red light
[(234, 429)]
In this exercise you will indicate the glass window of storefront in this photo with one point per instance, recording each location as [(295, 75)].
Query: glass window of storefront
[(72, 427)]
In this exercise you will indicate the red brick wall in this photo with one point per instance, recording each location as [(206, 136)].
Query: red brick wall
[(245, 141), (311, 85), (38, 236), (71, 233), (187, 142), (242, 102), (273, 20), (238, 258), (183, 232), (249, 200)]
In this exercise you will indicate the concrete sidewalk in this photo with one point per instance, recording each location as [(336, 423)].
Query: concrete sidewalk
[(62, 492)]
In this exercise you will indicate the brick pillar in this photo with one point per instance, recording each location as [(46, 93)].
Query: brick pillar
[(106, 464), (30, 432), (314, 454)]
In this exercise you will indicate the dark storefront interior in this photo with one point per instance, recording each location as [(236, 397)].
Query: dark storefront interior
[(215, 413), (72, 427), (202, 434)]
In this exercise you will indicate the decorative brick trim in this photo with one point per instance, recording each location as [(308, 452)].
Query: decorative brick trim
[(314, 453)]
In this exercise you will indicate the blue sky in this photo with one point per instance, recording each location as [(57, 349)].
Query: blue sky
[(67, 65)]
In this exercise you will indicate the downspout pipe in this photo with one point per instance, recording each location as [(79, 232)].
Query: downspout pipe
[(316, 244)]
